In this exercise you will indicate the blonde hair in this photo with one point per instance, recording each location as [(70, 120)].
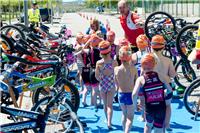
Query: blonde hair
[(95, 22)]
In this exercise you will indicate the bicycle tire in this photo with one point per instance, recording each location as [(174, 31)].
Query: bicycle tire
[(153, 14), (22, 27), (184, 71), (45, 100), (75, 98), (197, 21), (8, 27), (178, 46), (193, 85)]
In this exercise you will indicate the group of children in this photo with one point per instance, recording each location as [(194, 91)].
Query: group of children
[(106, 69)]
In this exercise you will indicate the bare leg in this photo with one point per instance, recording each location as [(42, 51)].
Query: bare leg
[(168, 116), (85, 91), (124, 113), (110, 96), (147, 129), (129, 118), (104, 97), (94, 95), (158, 130)]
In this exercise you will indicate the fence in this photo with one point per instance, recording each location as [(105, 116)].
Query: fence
[(183, 8)]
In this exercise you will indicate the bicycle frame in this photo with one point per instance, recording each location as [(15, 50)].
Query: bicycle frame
[(34, 82), (37, 120)]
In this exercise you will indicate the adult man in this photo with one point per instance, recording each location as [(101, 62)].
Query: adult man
[(130, 23), (34, 14)]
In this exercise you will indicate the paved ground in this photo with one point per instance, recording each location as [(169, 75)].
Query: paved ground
[(181, 120)]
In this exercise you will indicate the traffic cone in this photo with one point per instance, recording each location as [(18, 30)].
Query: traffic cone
[(198, 39)]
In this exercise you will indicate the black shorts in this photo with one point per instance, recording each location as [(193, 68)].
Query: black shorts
[(156, 118), (86, 75), (93, 79)]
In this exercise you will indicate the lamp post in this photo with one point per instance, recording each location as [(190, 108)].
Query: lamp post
[(26, 12)]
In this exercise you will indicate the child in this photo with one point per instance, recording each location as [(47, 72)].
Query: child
[(105, 74), (81, 39), (142, 44), (90, 57), (114, 47), (154, 88), (114, 53), (166, 68), (125, 76)]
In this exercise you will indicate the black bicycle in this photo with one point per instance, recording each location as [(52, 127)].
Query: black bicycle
[(37, 120)]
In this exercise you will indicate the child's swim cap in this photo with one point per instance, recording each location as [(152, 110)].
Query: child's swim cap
[(158, 42), (104, 47), (142, 41), (148, 61)]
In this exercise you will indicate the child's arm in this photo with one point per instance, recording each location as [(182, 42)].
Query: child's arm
[(137, 87), (172, 72), (115, 78)]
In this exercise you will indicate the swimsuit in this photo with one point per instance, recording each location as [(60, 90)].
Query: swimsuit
[(107, 82), (95, 56), (125, 98), (139, 56), (155, 106)]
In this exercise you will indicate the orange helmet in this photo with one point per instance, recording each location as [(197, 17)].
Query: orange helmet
[(125, 53), (148, 61), (104, 47), (123, 42), (158, 42), (142, 41), (111, 36), (94, 40)]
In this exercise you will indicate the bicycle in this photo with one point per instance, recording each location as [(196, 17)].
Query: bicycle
[(34, 82), (191, 98), (38, 121), (164, 24), (185, 42)]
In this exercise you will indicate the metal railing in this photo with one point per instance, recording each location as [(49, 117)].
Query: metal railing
[(183, 8)]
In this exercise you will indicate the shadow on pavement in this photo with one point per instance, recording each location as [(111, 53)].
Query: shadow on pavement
[(179, 102), (180, 126), (90, 119)]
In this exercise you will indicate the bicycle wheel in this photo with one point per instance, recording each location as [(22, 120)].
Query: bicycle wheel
[(59, 116), (151, 30), (71, 92), (186, 40), (191, 97), (197, 21), (185, 73), (13, 31), (22, 27)]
